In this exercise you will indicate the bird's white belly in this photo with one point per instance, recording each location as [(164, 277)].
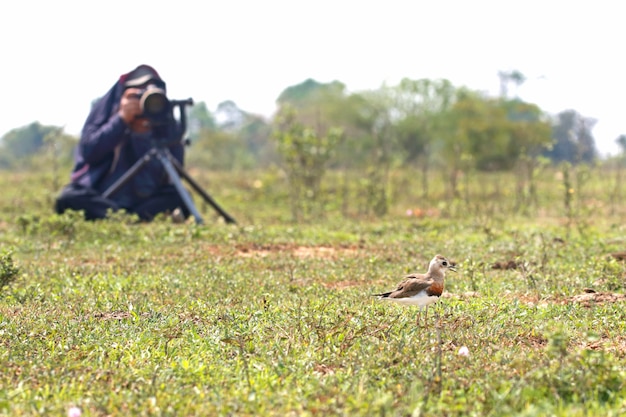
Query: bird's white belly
[(421, 299)]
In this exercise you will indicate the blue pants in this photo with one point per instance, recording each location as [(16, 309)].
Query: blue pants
[(95, 206)]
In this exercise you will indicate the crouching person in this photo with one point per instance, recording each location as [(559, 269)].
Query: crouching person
[(114, 137)]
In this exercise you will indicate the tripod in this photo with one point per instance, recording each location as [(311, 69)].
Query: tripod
[(174, 170)]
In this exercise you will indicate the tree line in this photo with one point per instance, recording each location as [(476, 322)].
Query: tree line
[(426, 124)]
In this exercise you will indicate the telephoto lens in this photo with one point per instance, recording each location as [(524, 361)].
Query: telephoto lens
[(155, 104)]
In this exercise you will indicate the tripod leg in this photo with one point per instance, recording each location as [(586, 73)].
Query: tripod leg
[(227, 217), (171, 172), (129, 174)]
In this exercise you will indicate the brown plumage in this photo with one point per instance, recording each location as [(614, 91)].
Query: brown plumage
[(421, 289)]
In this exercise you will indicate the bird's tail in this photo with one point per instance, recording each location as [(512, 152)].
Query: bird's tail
[(382, 295)]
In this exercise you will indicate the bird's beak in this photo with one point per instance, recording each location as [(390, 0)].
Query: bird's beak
[(452, 268)]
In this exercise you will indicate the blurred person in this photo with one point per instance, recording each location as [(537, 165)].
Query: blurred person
[(114, 137)]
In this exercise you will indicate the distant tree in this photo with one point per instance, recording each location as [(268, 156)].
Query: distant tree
[(572, 138), (620, 162), (5, 160), (621, 142), (199, 118), (218, 150), (485, 124), (496, 134), (325, 106), (22, 144), (255, 135), (308, 91), (318, 105), (478, 140), (229, 116), (230, 138), (353, 112), (27, 140), (305, 153), (379, 112), (507, 77), (529, 130), (530, 136), (365, 139), (420, 109)]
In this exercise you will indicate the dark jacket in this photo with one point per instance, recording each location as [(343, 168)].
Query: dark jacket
[(108, 148)]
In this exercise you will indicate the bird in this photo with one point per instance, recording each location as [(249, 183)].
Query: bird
[(421, 289)]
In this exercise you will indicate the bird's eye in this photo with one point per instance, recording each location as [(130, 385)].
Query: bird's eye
[(444, 263)]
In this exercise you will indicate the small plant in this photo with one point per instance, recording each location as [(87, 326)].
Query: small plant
[(569, 191), (305, 152), (8, 271), (375, 194)]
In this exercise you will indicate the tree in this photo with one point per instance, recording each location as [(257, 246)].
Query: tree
[(199, 118), (530, 129), (25, 142), (621, 142), (421, 109), (530, 136), (378, 110), (508, 77), (497, 134), (217, 150), (305, 152), (231, 138), (308, 91), (572, 138), (620, 162), (255, 135), (318, 105), (229, 116)]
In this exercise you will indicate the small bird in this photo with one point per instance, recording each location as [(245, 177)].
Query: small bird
[(421, 289)]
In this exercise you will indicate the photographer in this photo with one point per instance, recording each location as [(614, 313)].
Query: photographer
[(115, 136)]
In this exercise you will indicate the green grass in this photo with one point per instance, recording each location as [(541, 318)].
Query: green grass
[(272, 318)]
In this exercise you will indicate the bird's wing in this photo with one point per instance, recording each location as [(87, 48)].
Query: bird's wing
[(411, 285)]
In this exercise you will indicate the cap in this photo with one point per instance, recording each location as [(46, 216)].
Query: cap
[(140, 75)]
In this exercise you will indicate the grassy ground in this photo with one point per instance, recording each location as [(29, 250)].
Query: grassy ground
[(267, 317)]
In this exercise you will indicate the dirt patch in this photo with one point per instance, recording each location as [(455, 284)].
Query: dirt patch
[(339, 285), (298, 251), (323, 369), (323, 251), (461, 296), (620, 256), (117, 315), (530, 339), (590, 298), (614, 344), (531, 299), (505, 265)]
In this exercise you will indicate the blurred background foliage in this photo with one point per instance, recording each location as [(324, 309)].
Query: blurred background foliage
[(335, 147), (426, 123)]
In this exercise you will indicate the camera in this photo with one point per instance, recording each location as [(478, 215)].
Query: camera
[(155, 106)]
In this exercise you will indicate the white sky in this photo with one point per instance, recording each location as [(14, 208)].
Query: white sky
[(57, 56)]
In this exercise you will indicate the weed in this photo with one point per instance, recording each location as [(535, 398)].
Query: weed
[(9, 272)]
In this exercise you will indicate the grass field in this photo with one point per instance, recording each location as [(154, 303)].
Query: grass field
[(269, 317)]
